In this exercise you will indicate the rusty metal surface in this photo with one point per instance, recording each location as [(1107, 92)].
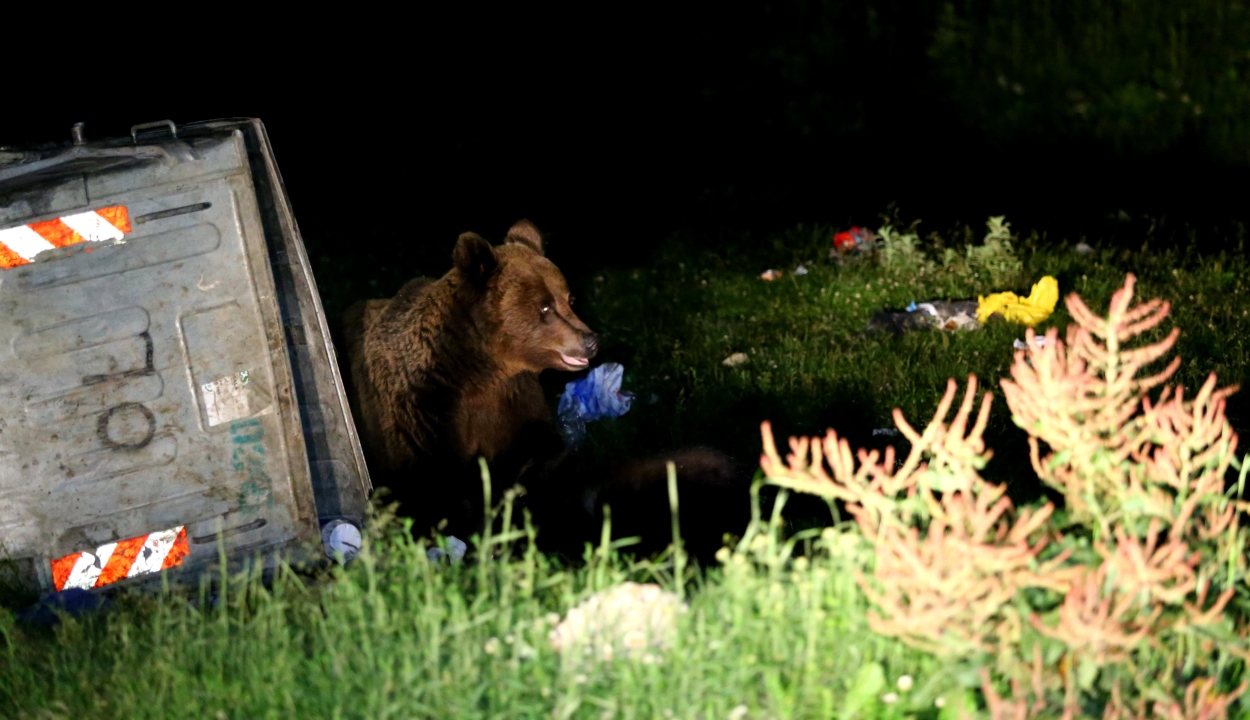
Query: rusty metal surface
[(183, 377)]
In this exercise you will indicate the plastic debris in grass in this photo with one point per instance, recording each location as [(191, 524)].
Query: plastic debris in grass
[(770, 275), (857, 239), (800, 271), (1038, 340), (932, 315), (1026, 311), (630, 620), (969, 315), (456, 548), (341, 540), (598, 395), (72, 603), (735, 360)]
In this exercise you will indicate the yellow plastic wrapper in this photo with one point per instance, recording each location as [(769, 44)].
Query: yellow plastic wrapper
[(1026, 311)]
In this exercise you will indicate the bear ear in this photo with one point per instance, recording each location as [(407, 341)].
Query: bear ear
[(525, 233), (475, 258)]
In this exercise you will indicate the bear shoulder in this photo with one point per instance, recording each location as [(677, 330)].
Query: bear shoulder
[(399, 335), (390, 349)]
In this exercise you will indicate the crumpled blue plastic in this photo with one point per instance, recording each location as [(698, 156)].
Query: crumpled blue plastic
[(598, 395), (456, 549)]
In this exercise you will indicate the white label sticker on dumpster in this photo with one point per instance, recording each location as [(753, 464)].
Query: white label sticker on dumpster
[(225, 399)]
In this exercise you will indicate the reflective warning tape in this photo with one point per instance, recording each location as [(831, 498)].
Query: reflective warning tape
[(20, 245), (126, 559)]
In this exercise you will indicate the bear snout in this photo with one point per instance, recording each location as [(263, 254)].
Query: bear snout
[(591, 342)]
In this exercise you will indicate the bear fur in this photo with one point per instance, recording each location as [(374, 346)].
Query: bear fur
[(447, 371)]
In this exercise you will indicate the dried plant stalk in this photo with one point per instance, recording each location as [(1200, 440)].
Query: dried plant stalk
[(942, 590), (1143, 482), (1202, 702)]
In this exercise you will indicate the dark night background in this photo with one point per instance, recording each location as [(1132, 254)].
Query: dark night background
[(615, 128)]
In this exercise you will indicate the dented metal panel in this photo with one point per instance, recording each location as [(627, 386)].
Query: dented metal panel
[(180, 377), (340, 478)]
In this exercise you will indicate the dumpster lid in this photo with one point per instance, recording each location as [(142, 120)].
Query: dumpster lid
[(19, 169)]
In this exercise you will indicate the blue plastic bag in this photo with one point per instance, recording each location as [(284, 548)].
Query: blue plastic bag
[(598, 395)]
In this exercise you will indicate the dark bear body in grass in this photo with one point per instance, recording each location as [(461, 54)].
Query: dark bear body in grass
[(447, 372)]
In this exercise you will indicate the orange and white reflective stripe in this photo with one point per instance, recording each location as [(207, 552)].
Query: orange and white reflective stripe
[(20, 245), (126, 559)]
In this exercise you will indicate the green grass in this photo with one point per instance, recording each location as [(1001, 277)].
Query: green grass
[(395, 635), (813, 367), (1136, 78)]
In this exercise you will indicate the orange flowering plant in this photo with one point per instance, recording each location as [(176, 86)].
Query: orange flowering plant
[(1118, 599)]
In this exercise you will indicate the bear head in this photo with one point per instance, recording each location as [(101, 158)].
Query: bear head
[(524, 301)]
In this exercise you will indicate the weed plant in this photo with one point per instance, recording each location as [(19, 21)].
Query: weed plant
[(1119, 600)]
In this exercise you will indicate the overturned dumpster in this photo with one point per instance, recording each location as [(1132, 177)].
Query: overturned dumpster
[(167, 382)]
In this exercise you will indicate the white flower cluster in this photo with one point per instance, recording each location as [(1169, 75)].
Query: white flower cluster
[(633, 620)]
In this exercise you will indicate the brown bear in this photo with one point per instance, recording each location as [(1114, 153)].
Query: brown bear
[(447, 371)]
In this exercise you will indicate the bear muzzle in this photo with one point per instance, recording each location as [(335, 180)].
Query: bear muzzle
[(590, 348)]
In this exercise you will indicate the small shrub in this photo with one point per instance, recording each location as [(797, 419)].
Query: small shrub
[(993, 262), (1117, 600), (994, 259), (901, 251)]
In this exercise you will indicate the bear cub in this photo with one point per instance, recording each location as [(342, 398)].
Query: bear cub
[(447, 371)]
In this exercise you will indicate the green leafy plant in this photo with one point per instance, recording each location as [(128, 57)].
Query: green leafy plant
[(993, 263), (994, 259), (901, 251)]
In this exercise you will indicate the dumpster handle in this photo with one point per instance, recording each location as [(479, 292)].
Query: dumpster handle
[(134, 130)]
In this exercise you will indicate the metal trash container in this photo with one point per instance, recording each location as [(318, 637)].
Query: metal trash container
[(167, 379)]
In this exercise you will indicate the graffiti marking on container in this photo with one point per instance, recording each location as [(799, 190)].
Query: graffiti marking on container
[(249, 459)]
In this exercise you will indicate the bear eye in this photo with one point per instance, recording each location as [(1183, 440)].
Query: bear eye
[(546, 309)]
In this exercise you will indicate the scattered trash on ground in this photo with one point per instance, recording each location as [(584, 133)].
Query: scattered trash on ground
[(631, 620), (341, 540), (1026, 311), (1038, 340), (936, 314), (888, 432), (857, 239), (800, 270), (1083, 248), (969, 315), (456, 548), (770, 275), (598, 395), (74, 603), (735, 360)]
